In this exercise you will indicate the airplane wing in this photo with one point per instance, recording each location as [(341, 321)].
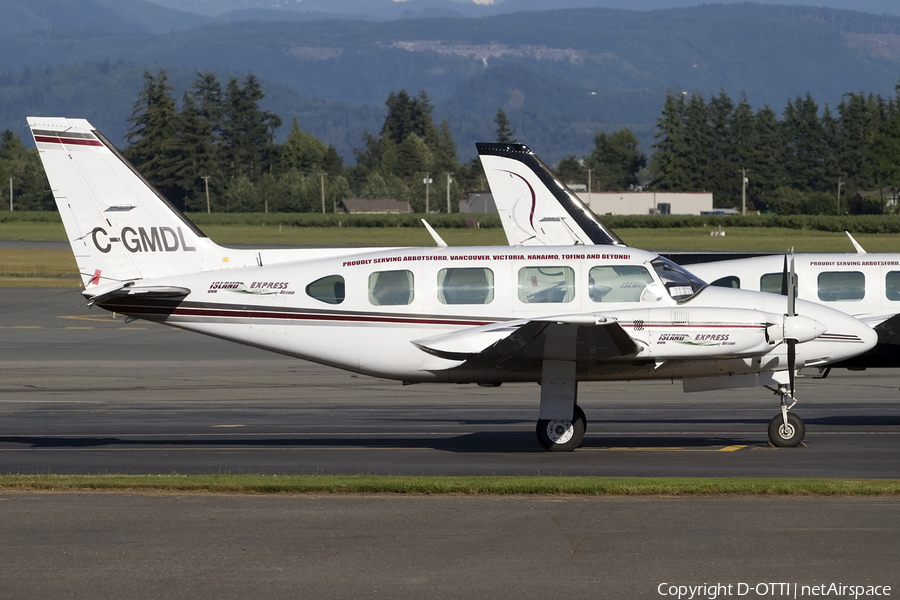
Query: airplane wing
[(523, 345)]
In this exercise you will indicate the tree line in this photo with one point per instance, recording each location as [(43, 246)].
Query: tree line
[(810, 161), (215, 151)]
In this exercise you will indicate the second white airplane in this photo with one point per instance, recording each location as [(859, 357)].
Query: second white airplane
[(555, 315), (537, 210)]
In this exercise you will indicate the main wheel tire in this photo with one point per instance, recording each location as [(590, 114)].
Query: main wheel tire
[(562, 436), (787, 436)]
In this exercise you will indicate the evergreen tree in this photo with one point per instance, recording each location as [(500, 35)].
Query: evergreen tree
[(806, 150), (504, 133), (444, 151), (248, 132), (303, 151), (206, 92), (861, 119), (746, 153), (414, 159), (197, 165), (883, 168), (407, 115), (723, 175), (767, 170), (570, 170), (615, 161), (30, 188), (333, 163), (698, 139), (671, 163), (154, 148)]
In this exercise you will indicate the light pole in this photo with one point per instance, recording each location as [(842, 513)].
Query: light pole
[(448, 193), (427, 181), (744, 191), (840, 183), (206, 186)]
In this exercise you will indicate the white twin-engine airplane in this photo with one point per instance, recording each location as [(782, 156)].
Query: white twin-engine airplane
[(555, 315), (538, 210)]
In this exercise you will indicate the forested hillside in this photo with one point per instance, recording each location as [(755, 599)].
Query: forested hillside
[(561, 76), (216, 149)]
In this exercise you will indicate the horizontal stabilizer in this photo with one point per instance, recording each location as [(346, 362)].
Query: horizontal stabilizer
[(100, 294)]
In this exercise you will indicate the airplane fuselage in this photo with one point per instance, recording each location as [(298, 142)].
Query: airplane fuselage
[(364, 310), (866, 286)]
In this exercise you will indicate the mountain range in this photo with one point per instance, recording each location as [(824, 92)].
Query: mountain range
[(561, 75), (393, 9)]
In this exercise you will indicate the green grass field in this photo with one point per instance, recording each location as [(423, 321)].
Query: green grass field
[(56, 268), (469, 486)]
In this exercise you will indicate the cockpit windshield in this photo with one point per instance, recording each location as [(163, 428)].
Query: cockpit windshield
[(680, 284)]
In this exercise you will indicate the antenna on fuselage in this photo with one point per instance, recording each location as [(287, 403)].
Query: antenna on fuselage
[(859, 249), (434, 235)]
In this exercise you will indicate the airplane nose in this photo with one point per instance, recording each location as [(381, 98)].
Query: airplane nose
[(849, 337)]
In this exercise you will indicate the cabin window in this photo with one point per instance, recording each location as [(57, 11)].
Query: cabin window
[(391, 288), (729, 281), (465, 286), (892, 285), (327, 289), (771, 283), (620, 283), (840, 286), (538, 285)]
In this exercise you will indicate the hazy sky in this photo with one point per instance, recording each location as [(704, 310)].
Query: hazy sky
[(217, 7)]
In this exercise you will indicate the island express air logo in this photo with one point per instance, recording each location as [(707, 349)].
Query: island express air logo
[(701, 339), (257, 288)]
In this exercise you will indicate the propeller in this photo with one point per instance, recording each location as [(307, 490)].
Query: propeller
[(789, 289)]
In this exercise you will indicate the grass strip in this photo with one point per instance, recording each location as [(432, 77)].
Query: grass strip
[(470, 486)]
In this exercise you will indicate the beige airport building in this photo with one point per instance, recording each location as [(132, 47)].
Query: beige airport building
[(648, 203)]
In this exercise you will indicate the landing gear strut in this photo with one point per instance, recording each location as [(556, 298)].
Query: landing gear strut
[(786, 430), (562, 436)]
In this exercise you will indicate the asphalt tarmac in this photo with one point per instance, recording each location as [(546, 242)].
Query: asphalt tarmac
[(82, 391)]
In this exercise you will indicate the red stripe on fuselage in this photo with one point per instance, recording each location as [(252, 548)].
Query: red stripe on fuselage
[(257, 314), (70, 141)]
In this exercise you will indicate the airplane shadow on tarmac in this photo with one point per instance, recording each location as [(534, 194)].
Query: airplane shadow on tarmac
[(480, 442)]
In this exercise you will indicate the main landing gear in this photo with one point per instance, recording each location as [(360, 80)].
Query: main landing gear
[(786, 430), (561, 424), (562, 436)]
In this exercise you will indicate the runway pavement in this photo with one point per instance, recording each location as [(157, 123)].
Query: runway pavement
[(85, 392), (222, 547), (82, 391)]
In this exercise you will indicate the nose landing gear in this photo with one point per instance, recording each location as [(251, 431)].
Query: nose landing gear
[(786, 430)]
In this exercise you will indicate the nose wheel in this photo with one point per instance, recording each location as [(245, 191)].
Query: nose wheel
[(786, 430), (562, 436)]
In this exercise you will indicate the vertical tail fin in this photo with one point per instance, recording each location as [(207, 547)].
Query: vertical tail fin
[(119, 226), (535, 207)]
